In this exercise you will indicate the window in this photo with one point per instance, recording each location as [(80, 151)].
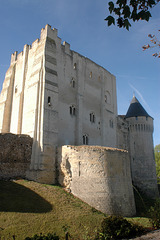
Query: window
[(90, 75), (72, 110), (111, 123), (16, 89), (75, 66), (73, 83), (92, 117), (85, 139), (107, 97), (49, 101)]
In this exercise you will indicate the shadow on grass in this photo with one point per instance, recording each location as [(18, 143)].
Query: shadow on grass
[(17, 198)]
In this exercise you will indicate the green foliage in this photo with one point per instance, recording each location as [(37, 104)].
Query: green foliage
[(154, 213), (49, 236), (157, 159), (126, 10), (118, 227), (143, 202)]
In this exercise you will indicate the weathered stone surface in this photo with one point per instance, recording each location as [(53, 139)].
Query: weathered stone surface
[(99, 176), (15, 155)]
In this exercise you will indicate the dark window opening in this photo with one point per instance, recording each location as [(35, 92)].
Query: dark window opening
[(111, 123), (16, 89), (73, 83), (85, 139), (92, 117), (75, 66), (49, 101), (72, 110)]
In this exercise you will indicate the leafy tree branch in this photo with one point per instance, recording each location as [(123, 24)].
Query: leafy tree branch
[(124, 11)]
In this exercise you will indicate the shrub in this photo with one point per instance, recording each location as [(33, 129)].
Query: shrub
[(154, 214), (114, 227), (49, 236)]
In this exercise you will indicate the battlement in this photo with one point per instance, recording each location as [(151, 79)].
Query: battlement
[(14, 57), (66, 47), (48, 31), (45, 32)]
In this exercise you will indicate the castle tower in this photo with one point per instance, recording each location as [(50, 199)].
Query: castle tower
[(58, 97), (143, 169)]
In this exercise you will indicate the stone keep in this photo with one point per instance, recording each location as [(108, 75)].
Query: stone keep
[(60, 97)]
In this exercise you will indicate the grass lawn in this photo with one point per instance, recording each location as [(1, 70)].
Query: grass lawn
[(28, 208)]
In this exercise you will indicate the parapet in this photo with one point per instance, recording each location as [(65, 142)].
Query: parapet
[(14, 57), (66, 47), (48, 31)]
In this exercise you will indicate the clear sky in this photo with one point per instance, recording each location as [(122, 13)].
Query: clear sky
[(81, 23)]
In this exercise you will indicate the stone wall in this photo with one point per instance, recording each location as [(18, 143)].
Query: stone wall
[(15, 155), (99, 176)]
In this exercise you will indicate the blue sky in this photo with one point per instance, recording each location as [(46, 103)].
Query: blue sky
[(81, 23)]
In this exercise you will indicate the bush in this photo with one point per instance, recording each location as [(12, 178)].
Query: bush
[(154, 214), (49, 236), (117, 227)]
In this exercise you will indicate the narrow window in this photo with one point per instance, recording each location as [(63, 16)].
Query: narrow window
[(75, 66), (49, 101), (79, 168), (92, 117), (85, 139), (111, 123), (72, 110), (90, 74), (107, 97), (16, 89), (73, 83)]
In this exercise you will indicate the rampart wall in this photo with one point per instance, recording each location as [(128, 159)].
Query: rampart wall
[(15, 155), (99, 176)]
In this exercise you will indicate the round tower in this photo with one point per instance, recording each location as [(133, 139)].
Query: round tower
[(141, 149)]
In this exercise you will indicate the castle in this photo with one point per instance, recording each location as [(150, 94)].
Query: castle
[(68, 105)]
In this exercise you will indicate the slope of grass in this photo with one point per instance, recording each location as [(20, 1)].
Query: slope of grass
[(28, 208)]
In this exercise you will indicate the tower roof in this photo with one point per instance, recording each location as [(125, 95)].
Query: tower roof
[(135, 109)]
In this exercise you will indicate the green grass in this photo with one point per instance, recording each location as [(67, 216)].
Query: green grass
[(28, 208)]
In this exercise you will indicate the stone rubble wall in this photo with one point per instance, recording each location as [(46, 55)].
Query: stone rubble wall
[(99, 176), (15, 155)]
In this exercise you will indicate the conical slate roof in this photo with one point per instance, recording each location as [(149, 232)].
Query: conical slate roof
[(135, 109)]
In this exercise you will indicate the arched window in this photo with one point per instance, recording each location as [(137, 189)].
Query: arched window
[(75, 66), (92, 117), (73, 83), (85, 139), (72, 110), (107, 97)]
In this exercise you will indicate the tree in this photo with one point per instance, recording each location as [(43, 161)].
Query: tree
[(157, 159), (126, 10), (154, 43)]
